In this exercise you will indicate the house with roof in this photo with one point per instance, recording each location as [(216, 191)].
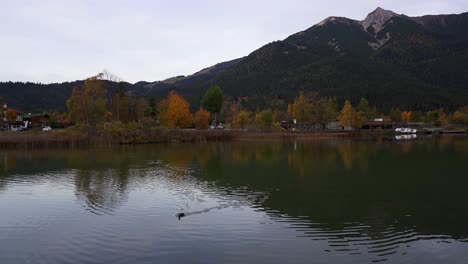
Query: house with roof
[(36, 120), (16, 124)]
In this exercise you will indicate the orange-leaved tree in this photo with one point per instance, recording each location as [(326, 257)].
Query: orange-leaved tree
[(461, 116), (202, 119), (10, 115), (174, 112), (405, 116)]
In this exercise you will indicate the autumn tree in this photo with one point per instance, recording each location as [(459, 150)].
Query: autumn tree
[(264, 119), (290, 111), (405, 116), (233, 112), (461, 116), (349, 117), (279, 115), (87, 105), (126, 108), (174, 112), (2, 103), (364, 109), (443, 120), (242, 119), (302, 109), (417, 116), (395, 114), (141, 107), (326, 110), (10, 115), (229, 110), (121, 107), (346, 116), (119, 104), (433, 116), (105, 75), (96, 108), (202, 119), (213, 100)]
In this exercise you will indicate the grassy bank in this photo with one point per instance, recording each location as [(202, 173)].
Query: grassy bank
[(42, 139), (73, 139), (110, 137)]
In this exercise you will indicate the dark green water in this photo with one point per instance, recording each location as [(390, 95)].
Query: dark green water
[(334, 201)]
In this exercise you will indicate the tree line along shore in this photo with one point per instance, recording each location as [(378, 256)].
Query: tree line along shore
[(98, 115)]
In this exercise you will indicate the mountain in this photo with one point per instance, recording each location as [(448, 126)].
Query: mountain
[(391, 59)]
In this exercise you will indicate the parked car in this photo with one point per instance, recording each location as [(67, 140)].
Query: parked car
[(406, 130), (217, 127), (47, 128), (17, 128)]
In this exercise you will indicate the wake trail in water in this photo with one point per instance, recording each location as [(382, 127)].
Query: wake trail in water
[(206, 210)]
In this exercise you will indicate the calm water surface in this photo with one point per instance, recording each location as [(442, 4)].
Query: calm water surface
[(335, 201)]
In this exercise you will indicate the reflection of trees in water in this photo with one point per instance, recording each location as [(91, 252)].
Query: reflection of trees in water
[(7, 162), (371, 196), (357, 154), (102, 191), (24, 164), (366, 189), (5, 167)]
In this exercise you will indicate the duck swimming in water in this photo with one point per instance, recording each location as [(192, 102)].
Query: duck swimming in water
[(180, 215)]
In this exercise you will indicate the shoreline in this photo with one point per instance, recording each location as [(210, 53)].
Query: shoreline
[(75, 139)]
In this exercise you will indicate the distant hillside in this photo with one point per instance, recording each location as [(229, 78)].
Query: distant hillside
[(392, 60), (35, 97)]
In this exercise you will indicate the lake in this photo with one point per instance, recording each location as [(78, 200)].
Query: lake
[(311, 201)]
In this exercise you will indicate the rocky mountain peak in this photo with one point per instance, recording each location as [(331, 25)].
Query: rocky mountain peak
[(377, 19), (334, 20)]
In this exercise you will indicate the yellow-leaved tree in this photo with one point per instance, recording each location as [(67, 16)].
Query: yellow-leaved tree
[(302, 109), (87, 105), (349, 117), (242, 119)]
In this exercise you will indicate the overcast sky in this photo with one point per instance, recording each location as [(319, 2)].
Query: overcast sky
[(65, 40)]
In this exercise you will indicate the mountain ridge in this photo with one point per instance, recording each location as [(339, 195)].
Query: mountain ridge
[(420, 61)]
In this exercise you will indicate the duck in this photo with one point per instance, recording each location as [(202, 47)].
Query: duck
[(180, 215)]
